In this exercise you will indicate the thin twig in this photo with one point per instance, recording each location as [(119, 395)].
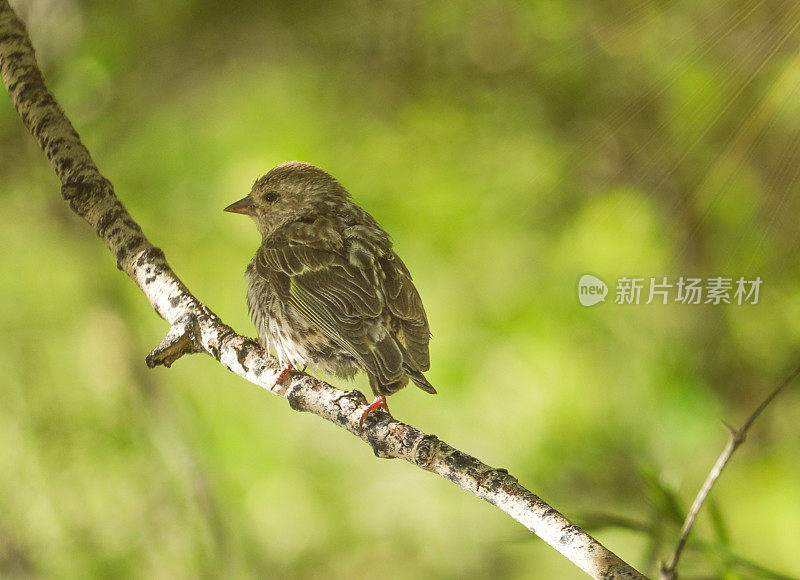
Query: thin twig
[(736, 437), (194, 328)]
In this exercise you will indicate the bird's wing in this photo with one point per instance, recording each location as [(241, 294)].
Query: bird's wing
[(405, 303), (344, 300)]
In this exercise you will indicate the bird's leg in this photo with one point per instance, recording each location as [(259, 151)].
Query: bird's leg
[(378, 403), (281, 377)]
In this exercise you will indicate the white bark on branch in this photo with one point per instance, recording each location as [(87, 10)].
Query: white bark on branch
[(194, 328)]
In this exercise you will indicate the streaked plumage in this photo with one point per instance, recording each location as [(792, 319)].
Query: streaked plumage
[(326, 289)]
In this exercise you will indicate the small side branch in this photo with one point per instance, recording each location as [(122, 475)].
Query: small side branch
[(182, 338), (194, 328), (669, 570)]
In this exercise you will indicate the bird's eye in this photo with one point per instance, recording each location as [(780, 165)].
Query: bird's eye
[(270, 196)]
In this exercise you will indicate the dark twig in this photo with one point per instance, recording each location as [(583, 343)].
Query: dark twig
[(669, 571)]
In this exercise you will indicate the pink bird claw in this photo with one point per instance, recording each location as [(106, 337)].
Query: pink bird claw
[(284, 373), (378, 403)]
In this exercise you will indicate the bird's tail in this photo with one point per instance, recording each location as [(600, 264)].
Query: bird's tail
[(420, 380)]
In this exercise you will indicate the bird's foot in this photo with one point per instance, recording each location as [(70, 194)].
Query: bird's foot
[(284, 373), (378, 403)]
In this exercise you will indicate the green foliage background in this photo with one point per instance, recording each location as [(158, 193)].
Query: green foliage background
[(509, 148)]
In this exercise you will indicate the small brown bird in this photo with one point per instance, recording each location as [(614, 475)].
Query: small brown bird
[(325, 287)]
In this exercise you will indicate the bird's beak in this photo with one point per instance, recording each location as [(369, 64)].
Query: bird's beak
[(244, 206)]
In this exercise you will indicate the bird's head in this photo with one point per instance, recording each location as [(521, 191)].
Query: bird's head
[(292, 191)]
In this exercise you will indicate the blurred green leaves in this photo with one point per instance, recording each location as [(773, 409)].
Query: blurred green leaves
[(509, 148)]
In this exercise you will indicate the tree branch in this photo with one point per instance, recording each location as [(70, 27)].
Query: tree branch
[(669, 571), (194, 328)]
